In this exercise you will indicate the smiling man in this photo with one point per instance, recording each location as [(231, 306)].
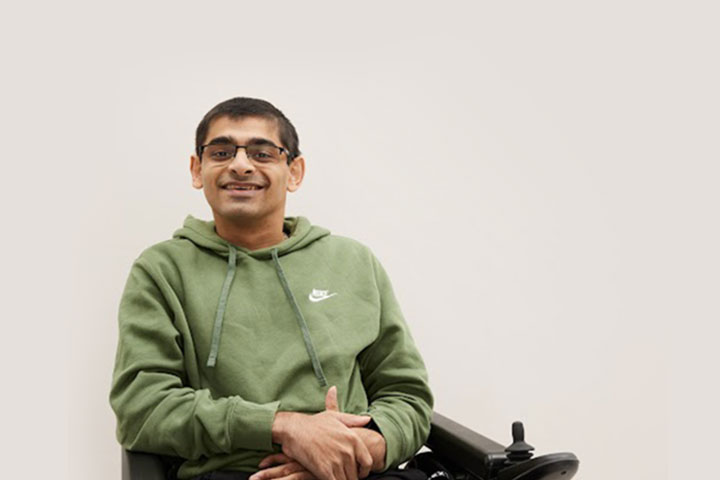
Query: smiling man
[(261, 346)]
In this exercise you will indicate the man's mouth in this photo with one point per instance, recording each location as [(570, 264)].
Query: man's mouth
[(241, 186), (250, 187)]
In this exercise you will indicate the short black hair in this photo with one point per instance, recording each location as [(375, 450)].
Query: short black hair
[(239, 107)]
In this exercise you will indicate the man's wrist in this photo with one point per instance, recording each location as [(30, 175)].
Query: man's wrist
[(379, 457), (281, 425), (373, 426)]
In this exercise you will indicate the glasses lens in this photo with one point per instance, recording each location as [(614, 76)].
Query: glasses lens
[(263, 153), (219, 152)]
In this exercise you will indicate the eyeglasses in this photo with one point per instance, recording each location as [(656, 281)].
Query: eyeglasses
[(257, 152)]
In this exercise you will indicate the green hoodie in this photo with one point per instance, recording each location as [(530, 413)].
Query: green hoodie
[(215, 339)]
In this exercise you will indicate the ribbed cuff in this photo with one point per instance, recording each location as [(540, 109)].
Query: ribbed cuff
[(394, 440), (250, 425)]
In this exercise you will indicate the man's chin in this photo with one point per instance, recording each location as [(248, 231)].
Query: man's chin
[(239, 216), (236, 216)]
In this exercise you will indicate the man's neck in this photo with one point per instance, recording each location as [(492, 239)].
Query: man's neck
[(252, 236)]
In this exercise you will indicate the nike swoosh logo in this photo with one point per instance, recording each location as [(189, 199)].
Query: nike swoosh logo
[(320, 298)]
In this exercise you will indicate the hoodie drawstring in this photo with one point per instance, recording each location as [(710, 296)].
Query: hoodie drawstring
[(317, 368), (222, 303)]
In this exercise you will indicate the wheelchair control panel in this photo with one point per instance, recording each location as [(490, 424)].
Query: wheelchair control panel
[(461, 454)]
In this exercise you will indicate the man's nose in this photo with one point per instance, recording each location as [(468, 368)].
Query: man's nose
[(241, 163)]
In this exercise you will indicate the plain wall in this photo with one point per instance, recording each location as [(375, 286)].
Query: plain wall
[(533, 176)]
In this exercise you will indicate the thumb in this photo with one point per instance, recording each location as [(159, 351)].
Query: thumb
[(331, 402), (353, 421)]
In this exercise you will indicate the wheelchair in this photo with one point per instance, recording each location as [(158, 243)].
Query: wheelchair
[(455, 453)]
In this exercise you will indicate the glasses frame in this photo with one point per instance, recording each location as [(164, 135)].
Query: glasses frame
[(282, 150)]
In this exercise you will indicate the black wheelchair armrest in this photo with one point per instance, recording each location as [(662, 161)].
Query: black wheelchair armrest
[(467, 454), (461, 447), (146, 466)]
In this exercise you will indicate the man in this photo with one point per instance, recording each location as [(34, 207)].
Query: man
[(262, 344)]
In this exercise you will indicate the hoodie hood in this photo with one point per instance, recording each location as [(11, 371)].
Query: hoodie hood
[(202, 233)]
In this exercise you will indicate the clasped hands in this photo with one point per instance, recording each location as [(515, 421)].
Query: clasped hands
[(329, 445)]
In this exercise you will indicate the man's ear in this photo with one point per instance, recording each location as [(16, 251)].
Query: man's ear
[(297, 173), (195, 167)]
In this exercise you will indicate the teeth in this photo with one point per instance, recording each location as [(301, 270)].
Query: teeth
[(244, 188)]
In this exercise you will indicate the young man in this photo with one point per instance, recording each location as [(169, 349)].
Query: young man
[(262, 344)]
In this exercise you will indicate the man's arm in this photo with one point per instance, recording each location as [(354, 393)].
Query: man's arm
[(395, 380), (156, 411)]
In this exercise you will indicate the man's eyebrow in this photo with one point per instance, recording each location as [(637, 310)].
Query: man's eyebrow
[(261, 141), (221, 140)]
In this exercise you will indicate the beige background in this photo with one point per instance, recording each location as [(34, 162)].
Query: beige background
[(539, 179)]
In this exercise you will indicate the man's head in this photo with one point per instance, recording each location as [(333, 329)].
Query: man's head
[(239, 107), (246, 160)]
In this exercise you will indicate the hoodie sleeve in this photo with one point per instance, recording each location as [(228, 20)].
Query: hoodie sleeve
[(156, 411), (395, 380)]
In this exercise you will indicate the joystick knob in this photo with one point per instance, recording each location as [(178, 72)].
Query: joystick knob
[(519, 451)]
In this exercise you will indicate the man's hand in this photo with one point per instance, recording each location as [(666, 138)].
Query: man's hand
[(375, 444), (324, 443), (285, 469)]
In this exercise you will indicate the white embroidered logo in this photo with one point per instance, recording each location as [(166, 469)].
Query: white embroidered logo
[(320, 295)]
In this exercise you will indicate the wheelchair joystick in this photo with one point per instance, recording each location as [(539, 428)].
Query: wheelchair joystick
[(519, 451)]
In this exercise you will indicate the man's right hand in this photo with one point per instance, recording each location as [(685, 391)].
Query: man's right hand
[(324, 443)]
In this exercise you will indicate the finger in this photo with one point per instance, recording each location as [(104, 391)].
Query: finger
[(339, 472), (363, 472), (304, 475), (350, 420), (363, 457), (277, 472), (331, 402), (351, 469), (274, 459), (365, 463)]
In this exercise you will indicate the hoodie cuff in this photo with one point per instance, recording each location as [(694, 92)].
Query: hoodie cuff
[(394, 439), (250, 425)]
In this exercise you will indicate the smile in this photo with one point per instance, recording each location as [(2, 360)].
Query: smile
[(244, 187), (240, 186), (241, 191)]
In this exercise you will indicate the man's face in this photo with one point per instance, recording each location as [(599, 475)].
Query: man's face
[(242, 190)]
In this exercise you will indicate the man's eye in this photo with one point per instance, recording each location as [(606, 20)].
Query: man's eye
[(220, 154), (262, 156)]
